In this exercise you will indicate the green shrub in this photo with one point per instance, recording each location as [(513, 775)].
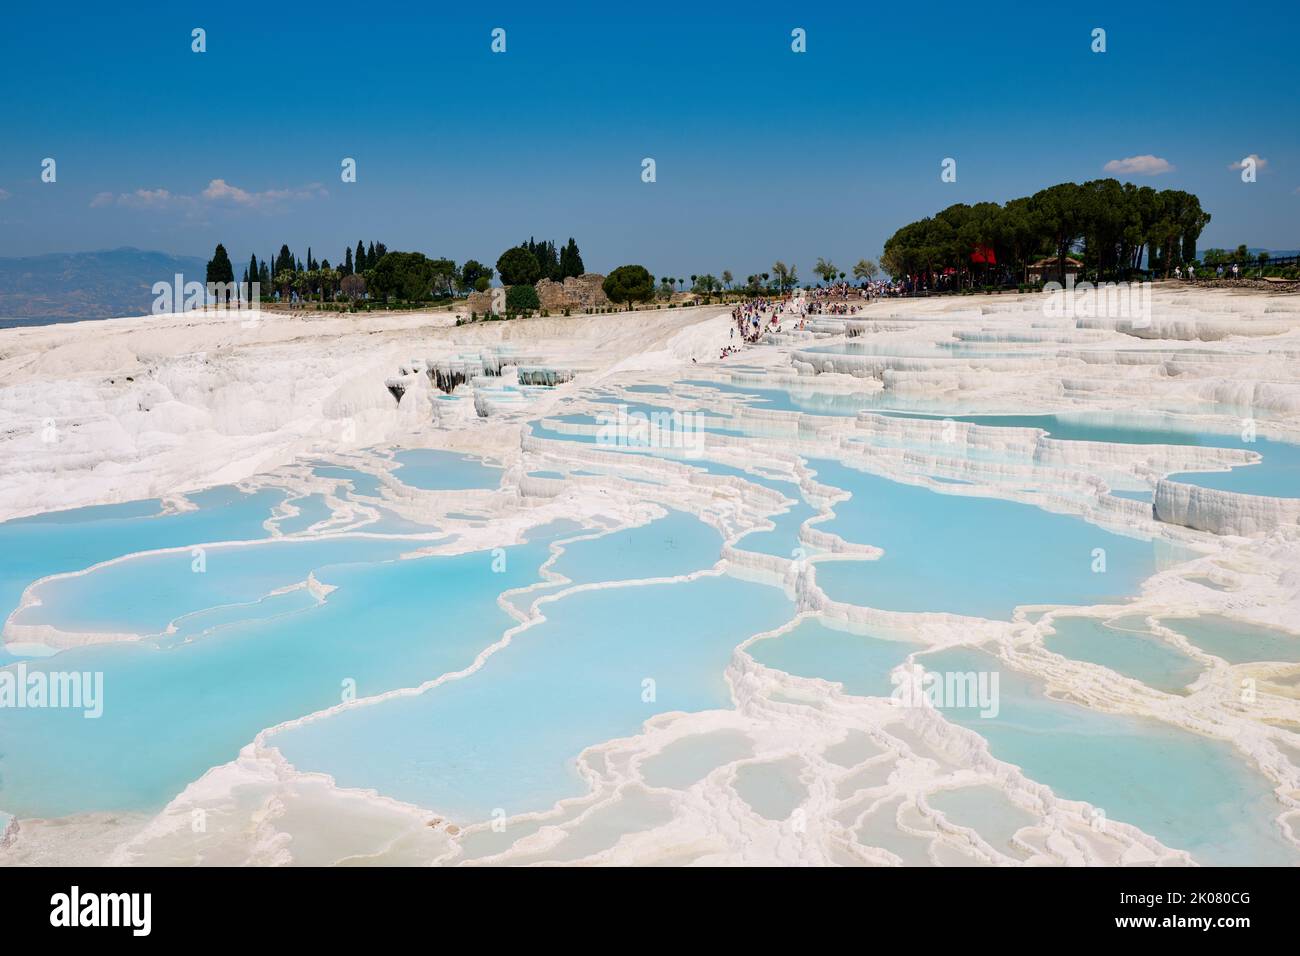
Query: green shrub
[(522, 298)]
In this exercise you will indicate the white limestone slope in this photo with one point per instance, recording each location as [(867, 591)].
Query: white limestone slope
[(122, 409)]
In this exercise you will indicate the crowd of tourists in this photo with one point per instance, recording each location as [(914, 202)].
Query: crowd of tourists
[(755, 317)]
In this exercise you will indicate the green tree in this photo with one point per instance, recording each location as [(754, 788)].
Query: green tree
[(284, 261), (444, 277), (827, 270), (865, 270), (472, 271), (284, 282), (522, 298), (726, 278), (302, 284), (353, 286), (518, 266), (406, 276), (251, 275), (629, 284), (571, 261), (221, 272)]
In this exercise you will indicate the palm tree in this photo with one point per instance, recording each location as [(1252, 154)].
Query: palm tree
[(726, 278), (826, 270), (865, 269), (284, 281), (782, 273)]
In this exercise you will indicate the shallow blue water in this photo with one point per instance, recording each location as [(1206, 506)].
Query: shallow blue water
[(362, 482), (1125, 647), (1237, 642), (311, 509), (797, 399), (143, 594), (783, 540), (506, 736), (969, 555), (437, 470), (861, 662), (1138, 429), (174, 708), (71, 540), (674, 545), (1188, 791), (1278, 474)]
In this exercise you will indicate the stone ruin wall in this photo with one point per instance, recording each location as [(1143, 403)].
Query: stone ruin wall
[(575, 294)]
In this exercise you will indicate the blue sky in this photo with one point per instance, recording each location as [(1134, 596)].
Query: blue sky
[(761, 153)]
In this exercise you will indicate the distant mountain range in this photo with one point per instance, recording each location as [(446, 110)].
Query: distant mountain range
[(87, 285)]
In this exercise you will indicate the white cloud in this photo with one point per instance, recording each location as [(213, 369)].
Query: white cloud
[(1146, 165), (220, 191), (149, 199), (1260, 162), (217, 194)]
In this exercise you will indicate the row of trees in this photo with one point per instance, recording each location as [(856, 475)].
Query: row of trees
[(375, 273), (1112, 227), (371, 272), (780, 279)]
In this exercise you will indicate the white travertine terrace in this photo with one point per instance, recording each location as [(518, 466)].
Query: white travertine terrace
[(159, 406)]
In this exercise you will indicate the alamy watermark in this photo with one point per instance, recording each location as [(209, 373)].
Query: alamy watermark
[(133, 911), (946, 690), (63, 690), (1110, 300), (181, 296), (674, 431)]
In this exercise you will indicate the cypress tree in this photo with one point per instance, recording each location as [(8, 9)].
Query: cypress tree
[(284, 261), (220, 269), (571, 260), (362, 262)]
